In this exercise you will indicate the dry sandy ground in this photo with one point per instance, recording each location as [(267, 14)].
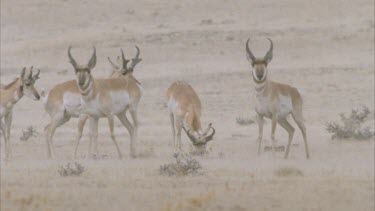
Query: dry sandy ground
[(325, 48)]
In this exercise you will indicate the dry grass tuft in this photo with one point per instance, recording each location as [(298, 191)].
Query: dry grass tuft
[(28, 133), (289, 172), (68, 170), (184, 165), (351, 126), (245, 121)]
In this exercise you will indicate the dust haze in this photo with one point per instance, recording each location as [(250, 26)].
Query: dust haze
[(323, 48)]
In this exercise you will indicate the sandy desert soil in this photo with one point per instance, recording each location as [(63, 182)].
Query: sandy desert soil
[(325, 48)]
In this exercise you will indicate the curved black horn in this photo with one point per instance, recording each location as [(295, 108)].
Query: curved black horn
[(92, 61), (191, 136), (269, 54), (71, 59), (211, 136), (124, 60), (250, 55), (114, 66), (36, 76), (207, 130)]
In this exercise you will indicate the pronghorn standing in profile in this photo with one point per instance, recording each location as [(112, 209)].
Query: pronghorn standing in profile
[(185, 107), (107, 98), (64, 102), (275, 100), (9, 95)]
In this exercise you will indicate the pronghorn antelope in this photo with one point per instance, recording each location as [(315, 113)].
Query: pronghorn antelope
[(9, 95), (185, 107), (107, 98), (275, 100), (64, 102)]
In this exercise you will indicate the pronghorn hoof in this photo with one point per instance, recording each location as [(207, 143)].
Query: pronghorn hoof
[(277, 148)]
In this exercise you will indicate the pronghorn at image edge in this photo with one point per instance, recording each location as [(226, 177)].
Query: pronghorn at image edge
[(108, 98), (64, 102), (275, 101), (185, 108), (9, 95)]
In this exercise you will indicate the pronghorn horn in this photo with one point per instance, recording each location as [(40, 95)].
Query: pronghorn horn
[(191, 136), (210, 137), (23, 73), (124, 60), (92, 61), (114, 66), (250, 55), (136, 59), (36, 76), (31, 72), (207, 130), (268, 56), (71, 59)]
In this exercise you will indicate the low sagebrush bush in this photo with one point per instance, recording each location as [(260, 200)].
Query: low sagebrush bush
[(351, 126), (69, 170), (184, 165)]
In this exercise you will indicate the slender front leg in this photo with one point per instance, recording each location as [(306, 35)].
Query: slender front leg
[(94, 133), (81, 124), (178, 124), (2, 128), (173, 129), (8, 123), (273, 130), (111, 129), (260, 132)]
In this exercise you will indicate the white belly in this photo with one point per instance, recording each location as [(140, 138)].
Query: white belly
[(282, 106), (72, 103), (120, 101)]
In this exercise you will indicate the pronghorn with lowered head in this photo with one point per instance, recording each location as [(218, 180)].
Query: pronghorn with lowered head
[(64, 102), (185, 108), (9, 95), (275, 100), (107, 98)]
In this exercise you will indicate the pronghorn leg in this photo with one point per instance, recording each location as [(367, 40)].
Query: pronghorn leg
[(273, 130), (124, 120), (133, 113), (299, 120), (289, 128), (260, 132), (178, 124), (111, 129), (57, 121), (93, 134), (8, 123), (2, 128), (81, 124), (171, 116)]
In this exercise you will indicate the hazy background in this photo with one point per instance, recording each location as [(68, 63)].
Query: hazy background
[(324, 48)]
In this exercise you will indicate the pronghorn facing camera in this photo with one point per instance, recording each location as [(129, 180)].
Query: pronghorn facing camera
[(64, 102), (106, 98), (184, 108), (9, 95), (275, 100)]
